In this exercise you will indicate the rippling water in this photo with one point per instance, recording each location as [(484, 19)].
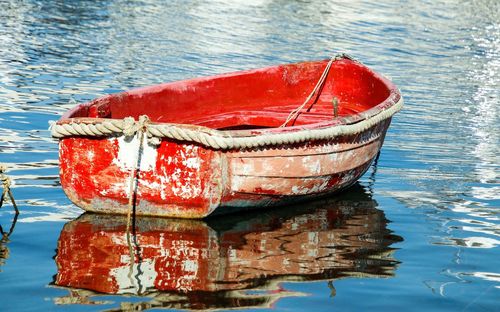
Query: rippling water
[(437, 179)]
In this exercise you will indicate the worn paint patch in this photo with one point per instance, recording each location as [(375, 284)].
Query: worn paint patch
[(128, 150), (314, 164), (187, 180), (173, 180)]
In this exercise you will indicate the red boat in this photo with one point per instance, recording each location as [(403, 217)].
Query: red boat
[(236, 261), (253, 138)]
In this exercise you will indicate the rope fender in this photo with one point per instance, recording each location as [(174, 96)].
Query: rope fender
[(211, 138)]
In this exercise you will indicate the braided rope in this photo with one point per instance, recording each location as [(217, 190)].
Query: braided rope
[(6, 183), (4, 178), (211, 138)]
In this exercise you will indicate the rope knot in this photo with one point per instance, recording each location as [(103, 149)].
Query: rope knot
[(6, 188), (143, 123), (4, 178), (131, 127)]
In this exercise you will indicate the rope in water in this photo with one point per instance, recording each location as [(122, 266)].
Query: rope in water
[(6, 183)]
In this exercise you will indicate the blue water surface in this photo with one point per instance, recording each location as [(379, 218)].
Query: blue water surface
[(435, 190)]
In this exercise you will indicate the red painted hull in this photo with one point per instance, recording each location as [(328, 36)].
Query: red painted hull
[(200, 265), (189, 180)]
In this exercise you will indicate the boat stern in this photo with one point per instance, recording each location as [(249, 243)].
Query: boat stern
[(172, 179)]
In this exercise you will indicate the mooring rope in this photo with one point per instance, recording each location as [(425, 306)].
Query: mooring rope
[(295, 113), (4, 178), (134, 128), (6, 183)]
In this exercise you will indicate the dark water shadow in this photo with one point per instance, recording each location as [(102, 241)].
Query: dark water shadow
[(231, 261)]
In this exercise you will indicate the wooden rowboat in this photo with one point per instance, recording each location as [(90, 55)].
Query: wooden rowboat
[(226, 142)]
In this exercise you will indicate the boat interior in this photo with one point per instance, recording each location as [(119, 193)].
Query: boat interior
[(252, 99)]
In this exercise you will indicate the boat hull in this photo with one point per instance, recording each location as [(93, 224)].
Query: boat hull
[(227, 142), (187, 180)]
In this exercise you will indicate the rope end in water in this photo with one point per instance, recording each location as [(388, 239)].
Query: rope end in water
[(6, 183)]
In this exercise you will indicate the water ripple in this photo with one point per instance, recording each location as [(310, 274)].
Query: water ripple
[(439, 171)]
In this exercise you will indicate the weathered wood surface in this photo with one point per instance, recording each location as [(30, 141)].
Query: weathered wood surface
[(185, 179)]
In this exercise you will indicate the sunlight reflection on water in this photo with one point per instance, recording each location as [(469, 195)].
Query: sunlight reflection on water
[(438, 177)]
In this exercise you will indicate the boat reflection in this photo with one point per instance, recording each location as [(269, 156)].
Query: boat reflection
[(224, 262), (4, 239)]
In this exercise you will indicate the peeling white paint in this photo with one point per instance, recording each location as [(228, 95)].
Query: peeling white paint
[(120, 188), (190, 266), (303, 190), (120, 240), (90, 155), (193, 163), (296, 190), (237, 183), (145, 185), (128, 151)]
